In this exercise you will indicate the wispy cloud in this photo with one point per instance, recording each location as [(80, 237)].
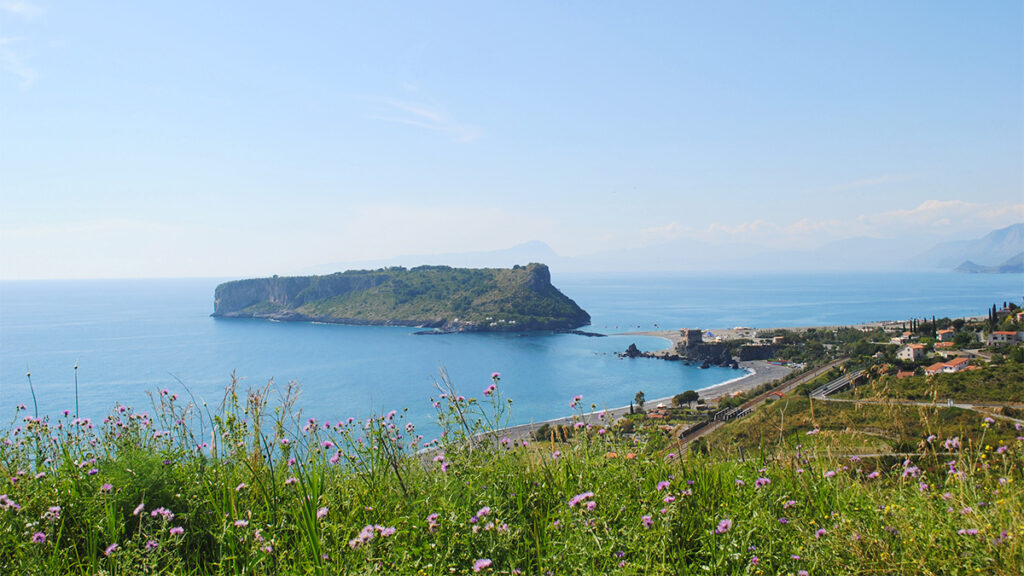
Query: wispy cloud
[(871, 182), (12, 57), (932, 218), (426, 117), (13, 62), (23, 9)]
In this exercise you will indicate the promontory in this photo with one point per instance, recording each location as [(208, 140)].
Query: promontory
[(514, 299)]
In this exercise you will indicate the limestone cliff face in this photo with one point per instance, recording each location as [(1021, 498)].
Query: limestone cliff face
[(490, 299)]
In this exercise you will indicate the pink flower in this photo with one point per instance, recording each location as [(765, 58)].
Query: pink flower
[(663, 485), (138, 508), (495, 376), (820, 533), (152, 545), (106, 488), (110, 549), (291, 480), (39, 538), (579, 498), (724, 526), (177, 531), (321, 512), (241, 487), (647, 521), (241, 523), (481, 564)]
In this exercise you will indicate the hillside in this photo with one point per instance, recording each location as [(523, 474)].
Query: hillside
[(452, 299)]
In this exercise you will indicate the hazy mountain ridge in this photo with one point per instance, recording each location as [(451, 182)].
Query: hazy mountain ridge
[(992, 249), (683, 254), (1014, 265)]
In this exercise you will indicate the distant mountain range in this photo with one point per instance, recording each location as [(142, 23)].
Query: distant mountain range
[(993, 249), (996, 250), (1014, 265)]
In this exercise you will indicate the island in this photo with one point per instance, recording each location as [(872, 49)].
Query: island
[(446, 299)]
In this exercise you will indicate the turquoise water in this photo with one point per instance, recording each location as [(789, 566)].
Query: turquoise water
[(130, 336)]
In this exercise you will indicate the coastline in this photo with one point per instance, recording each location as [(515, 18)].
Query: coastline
[(758, 372)]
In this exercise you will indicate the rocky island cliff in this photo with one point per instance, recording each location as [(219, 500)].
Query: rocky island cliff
[(449, 299)]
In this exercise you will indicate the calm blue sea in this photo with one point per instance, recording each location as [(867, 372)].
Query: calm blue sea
[(133, 336)]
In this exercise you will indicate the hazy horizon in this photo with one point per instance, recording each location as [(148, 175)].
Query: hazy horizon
[(242, 140)]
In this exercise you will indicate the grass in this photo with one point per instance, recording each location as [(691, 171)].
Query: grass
[(255, 488)]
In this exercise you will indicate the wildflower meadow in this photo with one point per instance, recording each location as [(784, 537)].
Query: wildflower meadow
[(254, 487)]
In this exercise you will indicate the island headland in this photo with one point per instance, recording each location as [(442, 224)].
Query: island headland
[(446, 299)]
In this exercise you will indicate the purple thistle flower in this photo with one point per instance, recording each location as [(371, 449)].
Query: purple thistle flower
[(481, 564), (177, 531), (724, 526), (152, 545), (106, 488), (39, 538), (647, 521), (821, 532), (761, 482)]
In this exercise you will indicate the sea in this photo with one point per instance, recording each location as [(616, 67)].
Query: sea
[(130, 338)]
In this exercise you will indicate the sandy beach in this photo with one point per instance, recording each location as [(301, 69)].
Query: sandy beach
[(756, 373)]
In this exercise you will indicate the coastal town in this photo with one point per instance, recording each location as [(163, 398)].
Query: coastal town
[(824, 364)]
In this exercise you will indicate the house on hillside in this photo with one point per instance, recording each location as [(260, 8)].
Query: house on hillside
[(945, 335), (956, 365), (911, 352), (904, 374), (1003, 338)]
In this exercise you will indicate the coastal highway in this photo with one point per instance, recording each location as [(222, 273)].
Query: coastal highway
[(786, 388)]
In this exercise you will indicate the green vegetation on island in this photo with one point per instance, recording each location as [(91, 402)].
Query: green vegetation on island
[(451, 299)]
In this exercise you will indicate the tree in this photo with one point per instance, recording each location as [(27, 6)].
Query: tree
[(639, 399), (965, 338), (689, 397)]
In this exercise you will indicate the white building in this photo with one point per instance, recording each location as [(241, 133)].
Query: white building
[(911, 352)]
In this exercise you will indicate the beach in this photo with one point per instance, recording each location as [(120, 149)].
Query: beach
[(758, 372)]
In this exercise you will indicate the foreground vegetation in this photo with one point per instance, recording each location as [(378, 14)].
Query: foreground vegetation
[(254, 488)]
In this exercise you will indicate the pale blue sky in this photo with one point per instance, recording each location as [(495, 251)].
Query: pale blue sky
[(225, 139)]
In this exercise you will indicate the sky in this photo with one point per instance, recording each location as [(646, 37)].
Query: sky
[(225, 139)]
